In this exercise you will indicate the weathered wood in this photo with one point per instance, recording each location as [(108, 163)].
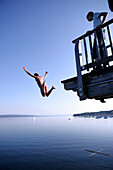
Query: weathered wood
[(97, 83), (101, 75), (102, 61), (97, 152), (91, 49), (86, 55), (80, 90), (101, 90), (73, 85)]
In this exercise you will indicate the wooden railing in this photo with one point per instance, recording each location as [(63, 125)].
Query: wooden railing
[(90, 62)]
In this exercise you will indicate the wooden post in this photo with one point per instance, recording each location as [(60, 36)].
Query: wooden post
[(80, 90), (110, 39), (91, 50), (86, 55)]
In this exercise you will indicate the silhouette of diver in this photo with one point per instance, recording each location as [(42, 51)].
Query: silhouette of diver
[(42, 85)]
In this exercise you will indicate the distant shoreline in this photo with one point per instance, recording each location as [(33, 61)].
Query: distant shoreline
[(19, 115), (97, 115)]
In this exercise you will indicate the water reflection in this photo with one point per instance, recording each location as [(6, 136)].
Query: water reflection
[(55, 143), (34, 119)]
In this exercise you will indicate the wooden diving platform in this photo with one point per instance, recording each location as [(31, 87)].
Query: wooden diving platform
[(94, 78)]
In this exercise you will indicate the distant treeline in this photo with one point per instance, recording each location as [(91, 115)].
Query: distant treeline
[(99, 114)]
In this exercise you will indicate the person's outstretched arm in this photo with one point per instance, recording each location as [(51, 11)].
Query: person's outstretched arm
[(104, 15), (45, 74), (28, 72)]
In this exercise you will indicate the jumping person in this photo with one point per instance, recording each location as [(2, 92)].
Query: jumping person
[(42, 85)]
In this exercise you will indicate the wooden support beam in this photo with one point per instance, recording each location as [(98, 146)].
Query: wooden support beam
[(91, 49), (86, 55), (80, 91)]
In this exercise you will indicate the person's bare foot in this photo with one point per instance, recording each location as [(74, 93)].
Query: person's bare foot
[(53, 87)]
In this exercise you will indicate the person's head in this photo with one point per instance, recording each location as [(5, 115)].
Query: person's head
[(36, 74), (90, 16)]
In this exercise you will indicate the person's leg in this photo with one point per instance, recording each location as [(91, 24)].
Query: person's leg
[(42, 88), (102, 47), (45, 89), (42, 92), (95, 52), (49, 92)]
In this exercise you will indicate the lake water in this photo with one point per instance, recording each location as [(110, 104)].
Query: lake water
[(55, 143)]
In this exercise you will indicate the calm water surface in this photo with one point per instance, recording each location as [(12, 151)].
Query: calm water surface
[(56, 143)]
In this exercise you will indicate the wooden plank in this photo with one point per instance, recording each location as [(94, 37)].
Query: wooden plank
[(103, 75), (73, 85), (102, 61), (97, 152), (100, 91)]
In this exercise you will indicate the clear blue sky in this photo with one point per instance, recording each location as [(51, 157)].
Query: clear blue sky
[(38, 34)]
